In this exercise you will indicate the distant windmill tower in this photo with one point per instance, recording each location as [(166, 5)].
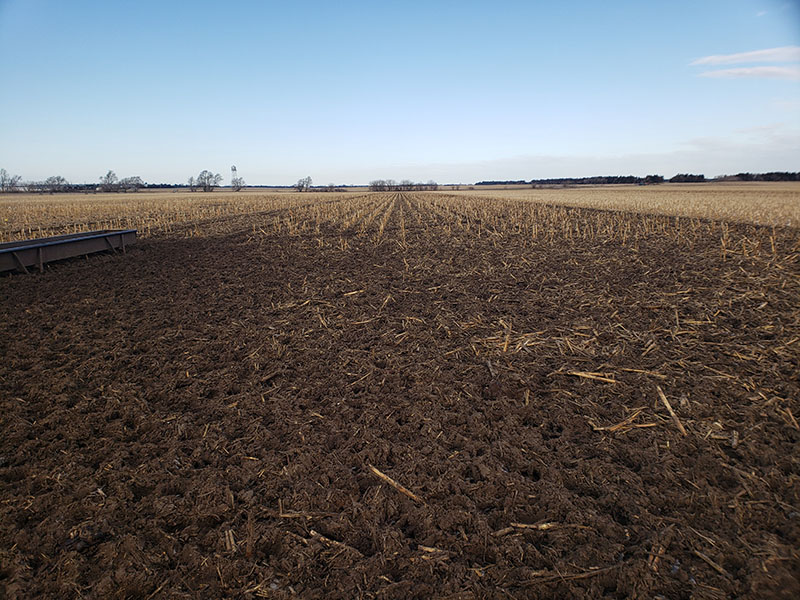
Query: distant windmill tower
[(236, 182)]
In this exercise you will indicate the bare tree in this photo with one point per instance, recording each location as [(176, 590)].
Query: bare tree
[(208, 180), (133, 184), (8, 183), (192, 186), (108, 182), (303, 185), (56, 184)]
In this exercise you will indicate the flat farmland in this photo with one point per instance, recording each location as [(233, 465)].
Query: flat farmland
[(405, 395), (744, 202)]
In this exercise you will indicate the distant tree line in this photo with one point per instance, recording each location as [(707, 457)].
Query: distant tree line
[(207, 181), (598, 180), (509, 182), (58, 184), (390, 185), (306, 184), (111, 183), (649, 179), (773, 176), (687, 178)]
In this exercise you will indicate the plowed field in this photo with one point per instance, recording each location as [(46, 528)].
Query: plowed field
[(407, 396)]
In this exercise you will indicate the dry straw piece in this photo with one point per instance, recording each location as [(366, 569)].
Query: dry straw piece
[(672, 414), (395, 485)]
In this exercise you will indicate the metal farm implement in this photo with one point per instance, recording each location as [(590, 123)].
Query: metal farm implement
[(28, 253)]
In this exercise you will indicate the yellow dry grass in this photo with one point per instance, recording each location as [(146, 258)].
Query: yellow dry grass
[(25, 216), (757, 202)]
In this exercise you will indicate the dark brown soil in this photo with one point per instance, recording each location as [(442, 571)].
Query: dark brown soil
[(199, 417)]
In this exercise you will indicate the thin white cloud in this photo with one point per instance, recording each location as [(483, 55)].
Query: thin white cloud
[(791, 73), (792, 106), (761, 13), (782, 54), (764, 132)]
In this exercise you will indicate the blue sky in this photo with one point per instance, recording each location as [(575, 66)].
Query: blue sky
[(456, 91)]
